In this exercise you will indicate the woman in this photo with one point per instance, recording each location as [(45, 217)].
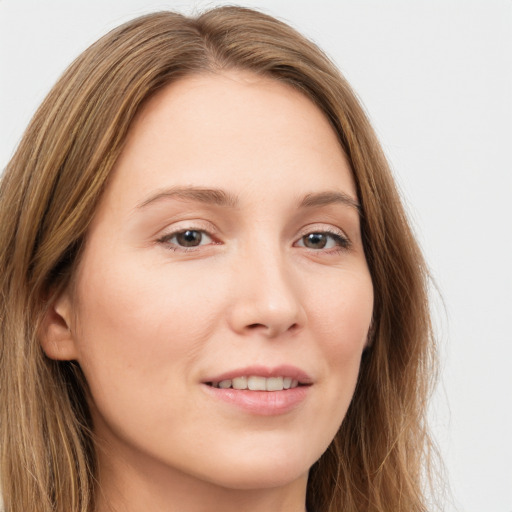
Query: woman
[(211, 298)]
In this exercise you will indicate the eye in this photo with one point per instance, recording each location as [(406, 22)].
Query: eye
[(323, 240), (187, 238)]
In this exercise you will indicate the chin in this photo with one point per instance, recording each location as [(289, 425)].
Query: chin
[(266, 469), (257, 477)]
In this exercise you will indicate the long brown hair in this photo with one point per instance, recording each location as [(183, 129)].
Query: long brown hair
[(48, 196)]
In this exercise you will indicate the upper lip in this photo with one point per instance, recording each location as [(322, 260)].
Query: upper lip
[(263, 371)]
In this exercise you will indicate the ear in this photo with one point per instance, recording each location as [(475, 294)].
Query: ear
[(55, 335)]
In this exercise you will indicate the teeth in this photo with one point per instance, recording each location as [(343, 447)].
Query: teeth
[(275, 384), (256, 383), (240, 383)]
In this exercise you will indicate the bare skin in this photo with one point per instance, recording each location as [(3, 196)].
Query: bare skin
[(227, 245)]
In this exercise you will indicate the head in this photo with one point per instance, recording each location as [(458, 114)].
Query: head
[(57, 185)]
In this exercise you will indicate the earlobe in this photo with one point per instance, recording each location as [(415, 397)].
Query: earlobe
[(55, 334)]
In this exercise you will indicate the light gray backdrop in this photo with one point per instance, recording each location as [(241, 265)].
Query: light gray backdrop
[(436, 79)]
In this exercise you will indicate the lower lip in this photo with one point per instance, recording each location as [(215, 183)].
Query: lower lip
[(262, 403)]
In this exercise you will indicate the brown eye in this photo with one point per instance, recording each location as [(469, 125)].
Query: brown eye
[(188, 238), (323, 240), (315, 240)]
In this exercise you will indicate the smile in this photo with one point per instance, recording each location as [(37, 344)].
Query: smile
[(257, 383), (261, 390)]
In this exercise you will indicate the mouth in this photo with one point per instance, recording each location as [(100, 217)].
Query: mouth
[(257, 383), (260, 390)]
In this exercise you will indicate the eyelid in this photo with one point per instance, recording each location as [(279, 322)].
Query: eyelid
[(328, 229), (204, 227), (209, 230), (322, 228), (188, 224)]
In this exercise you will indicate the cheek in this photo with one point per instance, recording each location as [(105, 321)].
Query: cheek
[(141, 301), (139, 326), (141, 333), (340, 318), (342, 313)]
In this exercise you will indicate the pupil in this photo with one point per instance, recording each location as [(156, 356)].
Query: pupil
[(315, 240), (189, 238)]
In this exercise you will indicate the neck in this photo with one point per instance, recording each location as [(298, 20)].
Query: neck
[(126, 487)]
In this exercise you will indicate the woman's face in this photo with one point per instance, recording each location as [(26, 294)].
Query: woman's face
[(226, 252)]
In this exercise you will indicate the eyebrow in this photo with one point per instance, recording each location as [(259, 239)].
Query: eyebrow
[(327, 198), (212, 196), (219, 197)]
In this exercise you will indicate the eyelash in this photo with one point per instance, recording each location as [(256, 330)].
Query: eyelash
[(166, 239), (341, 241)]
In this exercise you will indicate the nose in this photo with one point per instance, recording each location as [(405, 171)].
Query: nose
[(266, 298)]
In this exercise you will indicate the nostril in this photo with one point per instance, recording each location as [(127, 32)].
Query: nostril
[(269, 328), (255, 326)]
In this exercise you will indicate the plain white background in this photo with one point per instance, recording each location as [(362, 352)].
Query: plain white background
[(436, 80)]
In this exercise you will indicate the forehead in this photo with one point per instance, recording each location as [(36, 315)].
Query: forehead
[(235, 131)]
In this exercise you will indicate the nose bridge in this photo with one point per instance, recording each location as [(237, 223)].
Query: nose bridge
[(267, 299)]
